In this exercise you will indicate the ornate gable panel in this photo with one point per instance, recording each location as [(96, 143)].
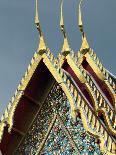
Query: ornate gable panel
[(55, 132)]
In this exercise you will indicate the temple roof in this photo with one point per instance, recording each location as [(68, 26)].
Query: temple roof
[(89, 87)]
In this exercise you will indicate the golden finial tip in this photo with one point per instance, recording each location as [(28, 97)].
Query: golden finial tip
[(61, 14), (42, 45), (80, 17), (85, 44), (65, 48), (36, 15), (80, 22)]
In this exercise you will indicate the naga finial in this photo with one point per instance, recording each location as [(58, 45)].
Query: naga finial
[(42, 46), (66, 47), (85, 44)]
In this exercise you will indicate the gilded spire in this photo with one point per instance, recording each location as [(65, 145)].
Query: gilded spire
[(42, 46), (85, 44), (65, 48)]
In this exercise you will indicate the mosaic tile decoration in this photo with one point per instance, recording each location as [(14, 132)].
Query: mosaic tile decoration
[(58, 142), (37, 131)]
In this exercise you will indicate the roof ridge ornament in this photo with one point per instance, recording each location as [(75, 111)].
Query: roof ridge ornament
[(66, 47), (42, 45), (85, 44)]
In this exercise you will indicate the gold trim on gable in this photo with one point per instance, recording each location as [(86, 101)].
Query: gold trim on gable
[(81, 75)]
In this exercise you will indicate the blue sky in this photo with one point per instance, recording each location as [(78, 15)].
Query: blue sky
[(19, 37)]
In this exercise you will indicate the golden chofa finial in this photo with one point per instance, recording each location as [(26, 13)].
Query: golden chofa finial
[(65, 48), (85, 44), (42, 46)]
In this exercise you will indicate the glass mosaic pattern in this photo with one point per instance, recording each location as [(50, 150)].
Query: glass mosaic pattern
[(37, 131), (85, 143), (58, 141)]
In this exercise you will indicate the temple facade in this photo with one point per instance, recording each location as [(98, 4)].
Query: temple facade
[(62, 106)]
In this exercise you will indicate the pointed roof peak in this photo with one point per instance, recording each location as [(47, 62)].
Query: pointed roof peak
[(42, 46), (66, 47), (85, 44)]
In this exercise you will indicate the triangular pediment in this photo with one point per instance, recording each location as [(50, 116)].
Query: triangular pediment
[(67, 103)]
